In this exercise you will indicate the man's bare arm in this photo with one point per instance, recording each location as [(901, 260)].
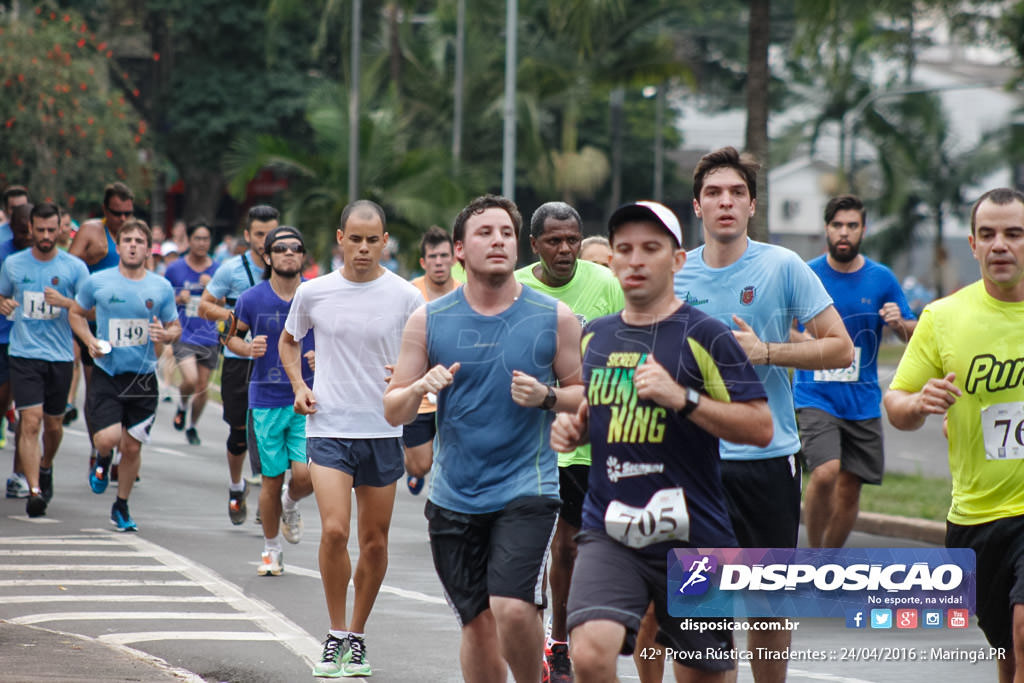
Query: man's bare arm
[(908, 411), (412, 378)]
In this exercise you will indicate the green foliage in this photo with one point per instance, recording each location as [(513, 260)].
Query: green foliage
[(925, 172), (414, 182), (66, 130)]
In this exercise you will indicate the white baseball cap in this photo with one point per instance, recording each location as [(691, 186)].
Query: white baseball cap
[(647, 210)]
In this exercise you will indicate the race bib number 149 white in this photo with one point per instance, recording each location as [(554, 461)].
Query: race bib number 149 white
[(664, 518), (1003, 427), (128, 331)]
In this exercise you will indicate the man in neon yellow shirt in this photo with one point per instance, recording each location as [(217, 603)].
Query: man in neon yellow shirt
[(965, 361), (590, 291)]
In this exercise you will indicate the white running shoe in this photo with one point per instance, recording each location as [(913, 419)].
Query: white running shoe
[(271, 563), (291, 523)]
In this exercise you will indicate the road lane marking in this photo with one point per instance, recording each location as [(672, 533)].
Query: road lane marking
[(400, 592), (276, 625), (69, 553), (133, 599), (148, 636), (167, 569), (122, 616), (93, 582)]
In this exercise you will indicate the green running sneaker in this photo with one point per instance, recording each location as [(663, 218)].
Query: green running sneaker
[(336, 652), (355, 664)]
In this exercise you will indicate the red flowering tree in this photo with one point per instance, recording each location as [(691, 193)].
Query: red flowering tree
[(66, 130)]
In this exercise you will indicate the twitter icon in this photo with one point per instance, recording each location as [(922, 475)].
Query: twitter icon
[(881, 618)]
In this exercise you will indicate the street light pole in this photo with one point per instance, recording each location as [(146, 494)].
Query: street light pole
[(353, 103), (508, 162), (460, 58)]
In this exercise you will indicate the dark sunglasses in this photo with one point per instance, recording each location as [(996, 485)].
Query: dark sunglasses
[(282, 248), (122, 214)]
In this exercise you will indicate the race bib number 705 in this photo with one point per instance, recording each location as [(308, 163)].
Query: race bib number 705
[(664, 518)]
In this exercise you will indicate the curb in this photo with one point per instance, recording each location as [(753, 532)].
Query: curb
[(923, 530), (90, 655)]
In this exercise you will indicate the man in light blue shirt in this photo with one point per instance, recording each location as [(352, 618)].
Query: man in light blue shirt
[(233, 277), (135, 316), (38, 286), (758, 290)]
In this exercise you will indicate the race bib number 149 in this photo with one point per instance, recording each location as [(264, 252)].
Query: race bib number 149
[(128, 331)]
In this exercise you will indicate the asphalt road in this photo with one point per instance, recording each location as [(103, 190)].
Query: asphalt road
[(185, 587)]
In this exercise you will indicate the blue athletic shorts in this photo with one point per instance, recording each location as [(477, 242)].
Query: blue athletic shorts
[(281, 435), (370, 462)]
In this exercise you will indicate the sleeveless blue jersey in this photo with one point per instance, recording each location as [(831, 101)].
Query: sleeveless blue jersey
[(491, 450), (111, 259)]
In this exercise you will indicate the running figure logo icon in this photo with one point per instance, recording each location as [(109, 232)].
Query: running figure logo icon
[(699, 567)]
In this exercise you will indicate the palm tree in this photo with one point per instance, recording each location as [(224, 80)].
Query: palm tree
[(923, 167)]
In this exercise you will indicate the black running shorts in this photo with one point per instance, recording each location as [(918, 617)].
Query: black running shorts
[(763, 497), (500, 553), (999, 548)]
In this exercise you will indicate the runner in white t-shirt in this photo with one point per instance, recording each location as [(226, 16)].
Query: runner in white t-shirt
[(356, 315)]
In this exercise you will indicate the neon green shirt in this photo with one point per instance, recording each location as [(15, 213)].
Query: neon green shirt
[(979, 338), (592, 292)]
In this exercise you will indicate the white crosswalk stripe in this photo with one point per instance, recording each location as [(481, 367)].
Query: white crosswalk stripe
[(46, 580)]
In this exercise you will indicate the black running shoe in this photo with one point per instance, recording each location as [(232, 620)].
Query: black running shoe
[(70, 414), (193, 436), (35, 506), (46, 483), (236, 505), (179, 420)]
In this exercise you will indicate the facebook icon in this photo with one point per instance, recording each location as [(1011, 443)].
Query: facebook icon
[(855, 618)]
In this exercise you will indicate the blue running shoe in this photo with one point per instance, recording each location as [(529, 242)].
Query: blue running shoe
[(99, 476), (415, 484), (121, 518)]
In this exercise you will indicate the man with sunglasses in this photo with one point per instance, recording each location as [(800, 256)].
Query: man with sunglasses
[(280, 431), (96, 240), (235, 276)]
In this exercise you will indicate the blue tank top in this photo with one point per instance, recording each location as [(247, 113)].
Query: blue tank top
[(491, 450), (111, 259)]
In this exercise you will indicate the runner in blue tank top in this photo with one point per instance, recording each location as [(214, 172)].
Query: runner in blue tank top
[(493, 351)]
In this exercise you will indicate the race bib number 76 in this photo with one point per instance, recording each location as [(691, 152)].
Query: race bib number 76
[(1003, 427)]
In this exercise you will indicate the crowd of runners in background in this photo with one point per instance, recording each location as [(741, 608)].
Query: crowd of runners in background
[(570, 421)]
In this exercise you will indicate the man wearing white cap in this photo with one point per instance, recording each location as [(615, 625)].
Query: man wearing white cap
[(758, 290), (659, 376)]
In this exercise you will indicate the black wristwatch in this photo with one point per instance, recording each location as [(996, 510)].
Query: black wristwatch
[(692, 399), (549, 401)]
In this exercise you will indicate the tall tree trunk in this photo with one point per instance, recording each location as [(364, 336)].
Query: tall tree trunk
[(203, 189), (758, 35), (616, 105), (940, 257)]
